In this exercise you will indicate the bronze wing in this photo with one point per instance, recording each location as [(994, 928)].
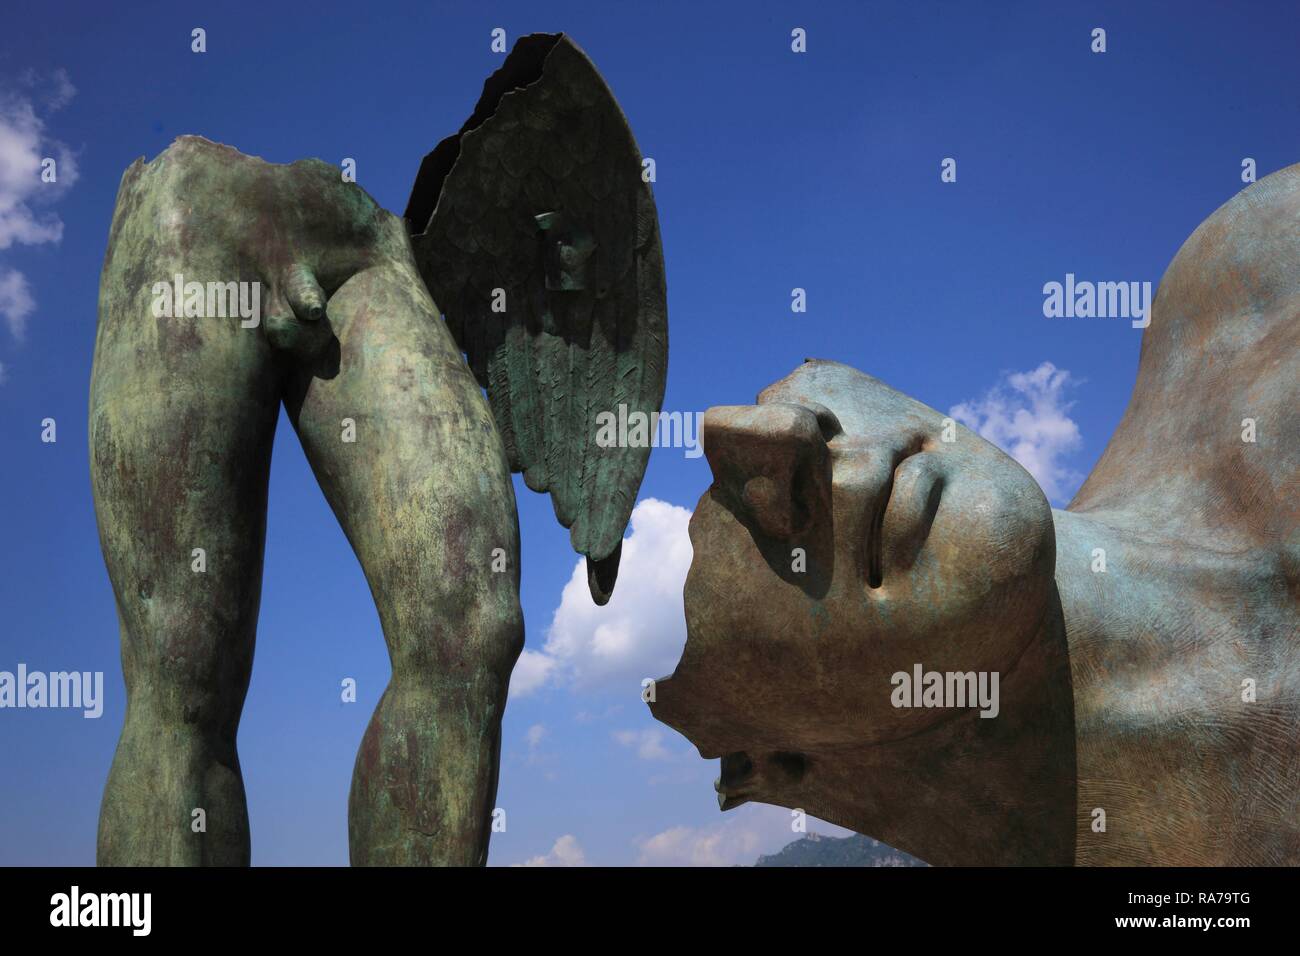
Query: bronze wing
[(539, 242)]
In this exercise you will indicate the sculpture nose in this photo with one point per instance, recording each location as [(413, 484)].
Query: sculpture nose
[(772, 461)]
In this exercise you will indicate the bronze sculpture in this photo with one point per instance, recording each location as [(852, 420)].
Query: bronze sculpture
[(1145, 640), (231, 285)]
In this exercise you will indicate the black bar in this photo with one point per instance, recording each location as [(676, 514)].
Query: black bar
[(1056, 906)]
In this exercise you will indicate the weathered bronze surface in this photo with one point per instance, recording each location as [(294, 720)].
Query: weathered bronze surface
[(1163, 691), (536, 206)]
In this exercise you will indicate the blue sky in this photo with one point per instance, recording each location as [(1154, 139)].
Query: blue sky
[(775, 170)]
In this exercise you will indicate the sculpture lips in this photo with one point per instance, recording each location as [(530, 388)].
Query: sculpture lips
[(737, 772)]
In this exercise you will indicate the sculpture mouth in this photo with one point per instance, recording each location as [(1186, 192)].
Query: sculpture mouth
[(744, 778), (734, 785)]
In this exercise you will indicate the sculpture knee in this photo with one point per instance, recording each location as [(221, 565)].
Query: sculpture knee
[(499, 629), (187, 668), (474, 642)]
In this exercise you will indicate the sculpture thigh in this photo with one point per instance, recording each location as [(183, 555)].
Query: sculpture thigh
[(404, 446), (182, 417)]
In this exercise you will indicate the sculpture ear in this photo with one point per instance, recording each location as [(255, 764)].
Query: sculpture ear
[(771, 463)]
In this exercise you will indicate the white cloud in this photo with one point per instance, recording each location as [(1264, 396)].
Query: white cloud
[(587, 717), (534, 736), (642, 630), (648, 743), (566, 852), (59, 89), (747, 833), (24, 144), (693, 846), (16, 302), (1026, 415), (532, 670)]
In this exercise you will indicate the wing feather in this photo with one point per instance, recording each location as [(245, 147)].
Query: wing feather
[(540, 196)]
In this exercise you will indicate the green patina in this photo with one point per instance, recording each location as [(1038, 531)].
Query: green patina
[(183, 410)]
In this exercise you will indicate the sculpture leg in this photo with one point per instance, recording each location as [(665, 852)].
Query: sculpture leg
[(182, 416), (404, 446)]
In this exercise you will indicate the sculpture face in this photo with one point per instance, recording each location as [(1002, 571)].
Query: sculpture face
[(844, 541), (918, 551)]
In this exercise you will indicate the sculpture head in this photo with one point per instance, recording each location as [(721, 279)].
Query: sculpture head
[(850, 533), (845, 539)]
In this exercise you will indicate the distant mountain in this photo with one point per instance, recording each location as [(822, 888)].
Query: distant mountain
[(856, 850)]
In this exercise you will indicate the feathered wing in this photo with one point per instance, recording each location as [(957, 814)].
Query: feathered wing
[(539, 242)]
